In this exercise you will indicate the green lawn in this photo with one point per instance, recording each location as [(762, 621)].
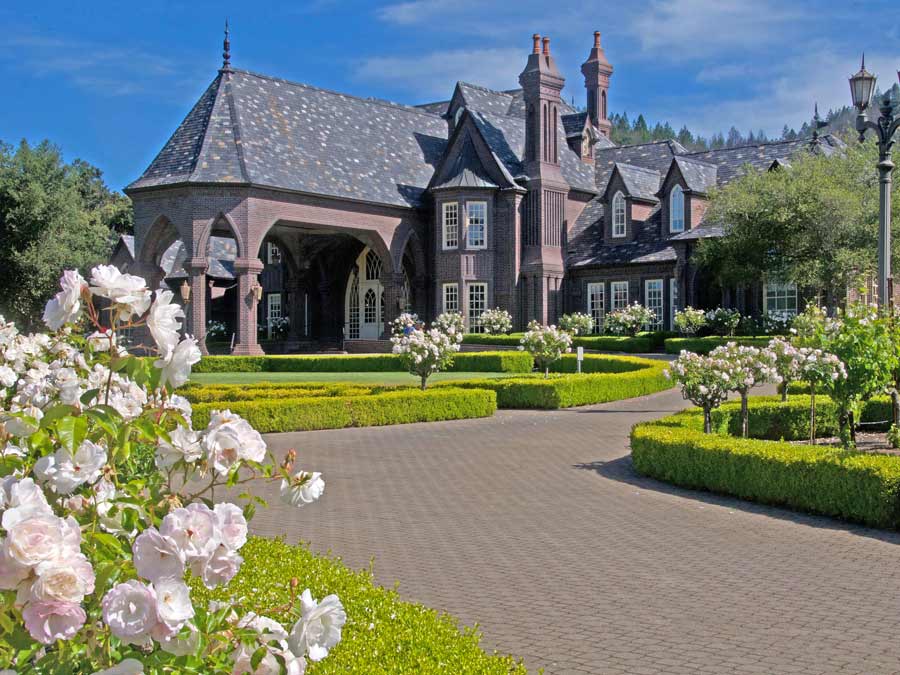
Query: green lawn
[(356, 378)]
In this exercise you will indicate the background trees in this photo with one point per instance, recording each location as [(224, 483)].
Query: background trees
[(53, 216)]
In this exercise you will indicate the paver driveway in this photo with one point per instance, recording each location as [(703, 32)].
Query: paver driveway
[(534, 525)]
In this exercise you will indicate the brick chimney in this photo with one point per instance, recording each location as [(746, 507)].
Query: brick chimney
[(597, 71), (541, 84)]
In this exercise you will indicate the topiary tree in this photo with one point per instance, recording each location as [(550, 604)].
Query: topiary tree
[(546, 344), (629, 320), (822, 371), (788, 363), (689, 320), (577, 323), (496, 321), (424, 353), (704, 382), (723, 321), (745, 367)]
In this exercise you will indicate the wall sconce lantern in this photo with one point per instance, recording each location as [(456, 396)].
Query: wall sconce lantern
[(258, 292), (185, 292), (401, 302)]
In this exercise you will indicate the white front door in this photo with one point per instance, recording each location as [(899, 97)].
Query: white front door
[(364, 305)]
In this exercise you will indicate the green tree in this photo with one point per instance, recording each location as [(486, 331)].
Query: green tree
[(814, 223), (53, 216)]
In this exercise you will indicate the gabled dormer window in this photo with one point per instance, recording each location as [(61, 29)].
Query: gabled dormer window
[(676, 209), (618, 215)]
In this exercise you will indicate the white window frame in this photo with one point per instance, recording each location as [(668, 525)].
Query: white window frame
[(450, 297), (781, 291), (676, 224), (673, 301), (618, 302), (596, 304), (658, 305), (476, 226), (273, 253), (619, 219), (274, 310), (472, 318), (450, 225)]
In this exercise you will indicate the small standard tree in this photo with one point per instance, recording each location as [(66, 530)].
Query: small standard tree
[(424, 353), (788, 363), (745, 367), (496, 321), (546, 344), (629, 320), (577, 323), (822, 371), (689, 320), (704, 382)]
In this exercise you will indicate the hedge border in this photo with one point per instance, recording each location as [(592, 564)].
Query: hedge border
[(473, 362), (704, 345), (643, 343), (854, 486), (399, 406)]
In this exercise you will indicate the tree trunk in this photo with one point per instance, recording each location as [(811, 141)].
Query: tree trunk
[(844, 433), (852, 428), (812, 417), (745, 414), (707, 420), (895, 406), (784, 390), (424, 381)]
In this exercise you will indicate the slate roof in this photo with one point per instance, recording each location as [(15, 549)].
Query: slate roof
[(222, 252), (505, 135), (574, 123), (640, 182), (732, 162), (465, 170), (702, 232), (250, 128), (657, 155), (633, 253), (699, 176)]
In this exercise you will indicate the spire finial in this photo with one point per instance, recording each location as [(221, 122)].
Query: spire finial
[(226, 47)]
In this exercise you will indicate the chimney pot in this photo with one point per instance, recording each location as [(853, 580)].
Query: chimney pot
[(546, 46), (536, 48), (596, 39)]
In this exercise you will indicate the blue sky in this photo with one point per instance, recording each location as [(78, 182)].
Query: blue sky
[(109, 80)]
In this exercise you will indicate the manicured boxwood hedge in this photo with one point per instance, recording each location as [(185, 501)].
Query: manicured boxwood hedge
[(615, 378), (383, 634), (704, 345), (470, 362), (260, 390), (855, 486), (642, 343), (397, 406)]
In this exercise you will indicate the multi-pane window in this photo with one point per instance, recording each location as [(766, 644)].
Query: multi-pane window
[(477, 305), (676, 209), (273, 310), (451, 298), (450, 225), (273, 253), (370, 307), (354, 309), (618, 291), (781, 298), (596, 304), (476, 224), (673, 301), (618, 210), (373, 266), (653, 300)]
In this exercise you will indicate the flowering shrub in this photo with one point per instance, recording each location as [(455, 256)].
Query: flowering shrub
[(404, 324), (704, 381), (577, 323), (496, 321), (452, 324), (746, 368), (216, 330), (723, 321), (777, 322), (689, 320), (546, 344), (96, 543), (822, 371), (629, 320), (425, 352), (280, 326), (788, 363), (811, 327)]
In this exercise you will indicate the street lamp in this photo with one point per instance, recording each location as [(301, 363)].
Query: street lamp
[(862, 86), (185, 292)]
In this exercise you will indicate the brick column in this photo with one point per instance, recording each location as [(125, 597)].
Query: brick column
[(248, 270), (195, 312), (393, 289)]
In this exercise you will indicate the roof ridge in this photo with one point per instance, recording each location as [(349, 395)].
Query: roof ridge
[(483, 88), (639, 168), (364, 99), (688, 158), (667, 141), (236, 130), (760, 145)]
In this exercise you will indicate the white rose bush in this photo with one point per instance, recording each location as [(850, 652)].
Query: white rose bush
[(426, 352), (689, 320), (704, 381), (745, 367), (629, 320), (496, 321), (546, 344), (404, 324), (577, 323), (101, 539)]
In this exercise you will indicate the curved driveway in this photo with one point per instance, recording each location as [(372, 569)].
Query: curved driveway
[(535, 526)]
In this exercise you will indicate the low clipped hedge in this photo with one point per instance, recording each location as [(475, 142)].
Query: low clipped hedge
[(383, 634), (615, 378), (262, 390), (472, 362), (704, 345), (396, 406), (642, 343), (855, 486)]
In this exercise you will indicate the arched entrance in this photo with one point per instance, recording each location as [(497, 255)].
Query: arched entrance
[(364, 298)]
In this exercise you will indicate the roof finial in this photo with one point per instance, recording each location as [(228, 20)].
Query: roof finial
[(226, 53), (817, 123)]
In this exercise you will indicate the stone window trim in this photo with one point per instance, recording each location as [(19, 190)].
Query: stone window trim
[(476, 225), (676, 210), (619, 217), (450, 297), (618, 295), (449, 226), (476, 303)]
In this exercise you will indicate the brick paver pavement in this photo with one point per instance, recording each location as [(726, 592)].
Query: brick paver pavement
[(534, 525)]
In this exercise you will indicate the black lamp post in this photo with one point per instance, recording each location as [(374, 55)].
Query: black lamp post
[(862, 86)]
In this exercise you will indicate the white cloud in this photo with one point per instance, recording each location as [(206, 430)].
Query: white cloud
[(434, 74), (423, 11)]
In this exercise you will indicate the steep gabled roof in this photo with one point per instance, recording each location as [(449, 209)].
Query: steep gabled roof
[(574, 123), (482, 99), (250, 128), (657, 155), (464, 170), (640, 183), (698, 176)]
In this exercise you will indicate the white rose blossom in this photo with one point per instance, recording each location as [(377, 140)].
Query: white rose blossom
[(65, 472), (65, 306), (303, 488), (128, 293), (176, 363), (162, 321), (319, 627)]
